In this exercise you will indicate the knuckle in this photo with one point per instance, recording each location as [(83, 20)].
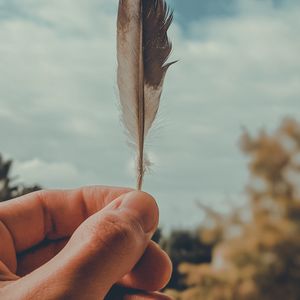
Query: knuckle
[(112, 231), (116, 227)]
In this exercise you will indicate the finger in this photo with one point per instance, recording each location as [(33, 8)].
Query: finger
[(28, 220), (6, 274), (152, 272), (120, 293), (144, 296), (37, 256), (101, 251), (149, 296)]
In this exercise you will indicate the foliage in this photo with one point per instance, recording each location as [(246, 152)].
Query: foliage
[(262, 260), (8, 190), (185, 246)]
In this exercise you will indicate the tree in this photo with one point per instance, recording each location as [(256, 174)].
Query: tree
[(262, 261), (185, 246), (8, 190)]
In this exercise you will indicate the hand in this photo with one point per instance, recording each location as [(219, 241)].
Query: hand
[(90, 243)]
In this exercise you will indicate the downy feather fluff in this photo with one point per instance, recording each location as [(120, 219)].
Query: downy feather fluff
[(143, 48)]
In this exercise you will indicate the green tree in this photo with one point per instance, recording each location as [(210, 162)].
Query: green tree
[(185, 246), (8, 189)]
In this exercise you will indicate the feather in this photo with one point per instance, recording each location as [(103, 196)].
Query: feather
[(143, 48)]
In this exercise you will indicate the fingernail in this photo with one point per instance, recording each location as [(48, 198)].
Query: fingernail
[(144, 207)]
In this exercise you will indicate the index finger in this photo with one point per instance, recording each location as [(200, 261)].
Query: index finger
[(51, 214)]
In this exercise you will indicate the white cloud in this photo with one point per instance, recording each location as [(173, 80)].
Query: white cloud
[(58, 107), (40, 172)]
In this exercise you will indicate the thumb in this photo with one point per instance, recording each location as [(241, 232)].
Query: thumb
[(109, 244), (101, 251)]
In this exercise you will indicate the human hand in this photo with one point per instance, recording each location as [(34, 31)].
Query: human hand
[(90, 243)]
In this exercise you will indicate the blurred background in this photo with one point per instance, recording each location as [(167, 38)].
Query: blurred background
[(234, 91)]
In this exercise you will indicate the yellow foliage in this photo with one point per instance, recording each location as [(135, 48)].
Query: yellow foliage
[(263, 262)]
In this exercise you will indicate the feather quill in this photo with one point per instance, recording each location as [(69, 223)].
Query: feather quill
[(143, 48)]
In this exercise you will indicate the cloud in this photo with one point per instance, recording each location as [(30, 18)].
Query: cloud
[(40, 172), (58, 106)]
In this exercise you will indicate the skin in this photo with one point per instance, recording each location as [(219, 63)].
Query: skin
[(90, 243)]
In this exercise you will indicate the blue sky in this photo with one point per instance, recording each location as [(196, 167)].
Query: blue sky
[(202, 10), (238, 67)]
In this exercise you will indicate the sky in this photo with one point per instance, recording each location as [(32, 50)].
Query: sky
[(238, 68)]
